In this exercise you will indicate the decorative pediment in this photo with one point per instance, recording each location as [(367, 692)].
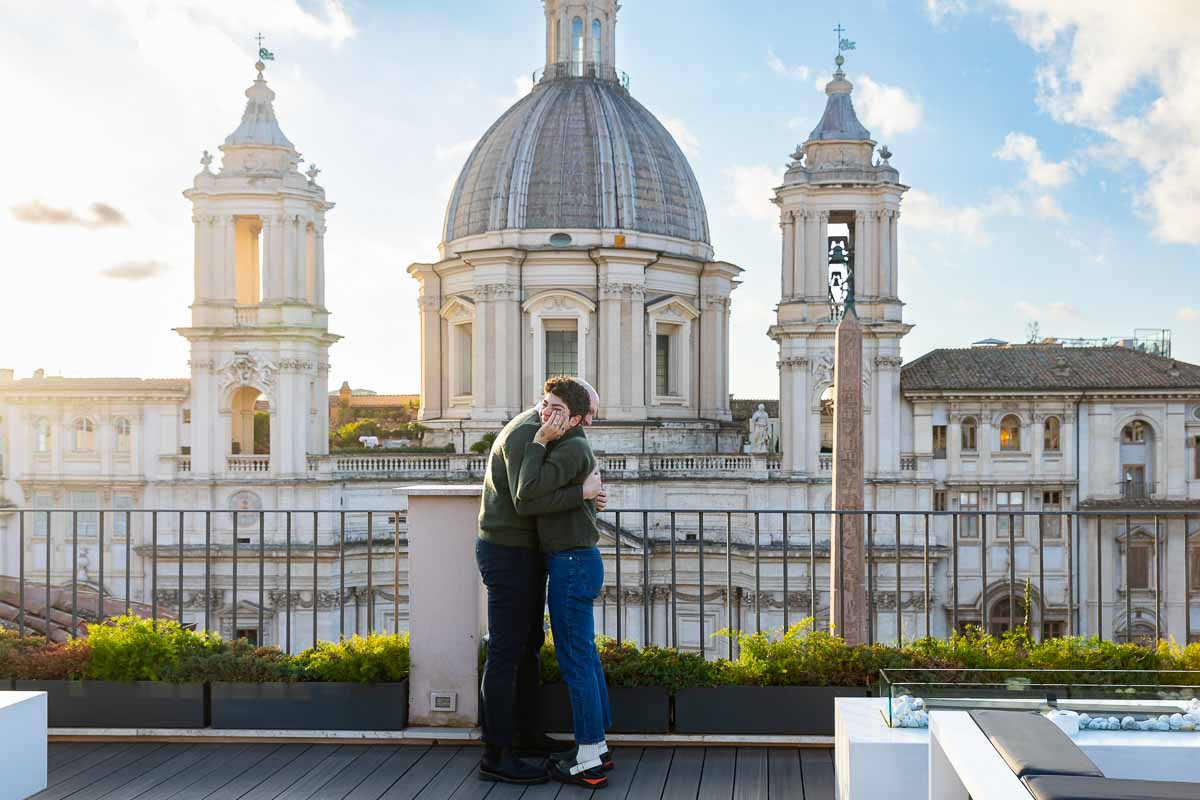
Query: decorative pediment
[(244, 369), (558, 301), (458, 309), (672, 309)]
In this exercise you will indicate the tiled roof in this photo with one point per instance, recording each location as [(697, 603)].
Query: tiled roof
[(1138, 504), (1046, 367), (96, 384)]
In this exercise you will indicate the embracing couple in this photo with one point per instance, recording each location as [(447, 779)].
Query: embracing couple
[(537, 522)]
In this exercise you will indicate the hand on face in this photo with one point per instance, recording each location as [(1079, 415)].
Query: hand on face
[(555, 422)]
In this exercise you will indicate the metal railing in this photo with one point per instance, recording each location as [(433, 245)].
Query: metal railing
[(1137, 490), (673, 577)]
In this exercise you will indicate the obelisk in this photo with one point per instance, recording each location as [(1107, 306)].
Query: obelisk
[(848, 594)]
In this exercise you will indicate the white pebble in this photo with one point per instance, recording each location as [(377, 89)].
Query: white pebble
[(1163, 726), (1128, 723)]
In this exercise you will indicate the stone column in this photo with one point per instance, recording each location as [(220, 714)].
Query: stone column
[(787, 271), (447, 605), (864, 258), (848, 604), (319, 299), (268, 267), (793, 411), (228, 261), (199, 247), (799, 226), (813, 280), (894, 253), (884, 261), (820, 269), (609, 359), (860, 240)]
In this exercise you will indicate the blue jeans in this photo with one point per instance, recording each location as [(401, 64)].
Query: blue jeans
[(576, 577)]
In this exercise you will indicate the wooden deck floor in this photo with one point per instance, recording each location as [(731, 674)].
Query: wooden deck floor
[(149, 771)]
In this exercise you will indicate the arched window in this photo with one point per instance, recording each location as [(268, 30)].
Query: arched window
[(42, 445), (83, 434), (1050, 435), (122, 431), (969, 430), (577, 47), (1134, 433), (1010, 433), (596, 39)]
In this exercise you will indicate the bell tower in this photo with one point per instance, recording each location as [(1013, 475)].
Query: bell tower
[(259, 333), (839, 211)]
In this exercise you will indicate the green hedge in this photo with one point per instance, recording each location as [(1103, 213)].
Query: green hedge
[(131, 649), (135, 649), (803, 656)]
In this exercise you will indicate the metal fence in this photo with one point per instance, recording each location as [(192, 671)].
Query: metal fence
[(928, 572)]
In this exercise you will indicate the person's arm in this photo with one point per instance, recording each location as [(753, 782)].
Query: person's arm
[(561, 499), (544, 471)]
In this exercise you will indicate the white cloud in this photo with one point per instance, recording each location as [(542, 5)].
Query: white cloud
[(1024, 148), (1187, 314), (924, 212), (331, 24), (886, 110), (752, 191), (1047, 206), (1059, 311), (456, 152), (687, 141), (941, 10), (1126, 71), (522, 85), (799, 72), (134, 270)]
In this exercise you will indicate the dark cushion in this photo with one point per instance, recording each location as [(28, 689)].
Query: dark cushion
[(1075, 787), (1032, 745)]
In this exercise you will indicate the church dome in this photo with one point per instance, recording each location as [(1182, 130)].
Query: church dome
[(577, 153)]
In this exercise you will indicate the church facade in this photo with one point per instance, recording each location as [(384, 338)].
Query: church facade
[(576, 241)]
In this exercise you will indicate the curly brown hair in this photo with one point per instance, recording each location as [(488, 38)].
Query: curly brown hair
[(571, 392)]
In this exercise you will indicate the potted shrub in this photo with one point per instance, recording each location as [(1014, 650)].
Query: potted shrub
[(639, 687), (780, 686), (356, 684), (123, 675)]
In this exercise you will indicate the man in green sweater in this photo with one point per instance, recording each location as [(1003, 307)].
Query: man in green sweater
[(514, 573), (560, 457)]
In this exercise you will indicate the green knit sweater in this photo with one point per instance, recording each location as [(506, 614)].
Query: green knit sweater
[(567, 462), (502, 518)]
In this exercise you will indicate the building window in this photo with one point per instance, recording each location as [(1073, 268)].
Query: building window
[(462, 344), (89, 518), (1010, 433), (1050, 435), (562, 352), (83, 435), (123, 431), (662, 364), (596, 44), (1051, 511), (939, 500), (969, 430), (968, 506), (1138, 559), (121, 504), (1194, 568), (249, 634), (42, 445), (939, 441), (1196, 458), (41, 520), (1010, 503), (577, 47), (1134, 433), (1053, 629)]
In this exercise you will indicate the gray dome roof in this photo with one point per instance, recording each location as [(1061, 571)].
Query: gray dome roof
[(577, 153)]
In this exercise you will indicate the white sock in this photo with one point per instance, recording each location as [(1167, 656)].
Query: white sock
[(603, 745), (587, 757)]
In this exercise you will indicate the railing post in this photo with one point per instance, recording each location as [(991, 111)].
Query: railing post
[(447, 615)]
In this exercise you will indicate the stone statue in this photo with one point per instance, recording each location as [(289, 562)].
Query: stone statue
[(760, 430)]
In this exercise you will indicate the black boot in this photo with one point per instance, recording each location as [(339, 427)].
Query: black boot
[(540, 745), (499, 764)]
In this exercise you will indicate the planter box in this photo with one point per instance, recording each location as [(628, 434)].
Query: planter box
[(111, 704), (310, 706), (762, 710), (641, 709)]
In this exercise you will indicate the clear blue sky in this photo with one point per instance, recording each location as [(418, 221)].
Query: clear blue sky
[(1052, 147)]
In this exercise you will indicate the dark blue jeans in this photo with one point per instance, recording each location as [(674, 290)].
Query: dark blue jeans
[(515, 578), (576, 577)]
